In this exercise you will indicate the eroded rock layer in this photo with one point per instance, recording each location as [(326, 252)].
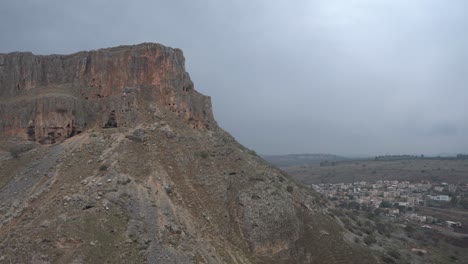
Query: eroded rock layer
[(50, 98)]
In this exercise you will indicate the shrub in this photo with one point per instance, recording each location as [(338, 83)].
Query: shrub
[(103, 167), (368, 230), (394, 253), (369, 240), (409, 229), (385, 204), (14, 152), (346, 221), (337, 212), (17, 150), (383, 228), (387, 259), (370, 215), (204, 154)]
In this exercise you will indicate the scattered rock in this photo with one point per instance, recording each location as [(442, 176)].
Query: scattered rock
[(45, 224), (137, 135)]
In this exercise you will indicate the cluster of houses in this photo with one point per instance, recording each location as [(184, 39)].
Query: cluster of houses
[(395, 194), (373, 194), (402, 192)]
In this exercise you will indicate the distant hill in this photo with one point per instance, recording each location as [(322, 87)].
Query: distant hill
[(451, 170), (301, 159)]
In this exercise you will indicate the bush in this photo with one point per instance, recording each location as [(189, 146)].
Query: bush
[(337, 212), (17, 150), (103, 167), (464, 203), (369, 240), (346, 221), (368, 230), (354, 205), (370, 215), (385, 204), (204, 154), (409, 229), (14, 153), (384, 228), (387, 259), (290, 189), (394, 254)]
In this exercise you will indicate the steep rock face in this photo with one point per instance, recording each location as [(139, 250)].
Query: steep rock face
[(61, 95), (140, 172)]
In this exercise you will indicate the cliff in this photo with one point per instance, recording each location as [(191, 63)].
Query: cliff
[(51, 98)]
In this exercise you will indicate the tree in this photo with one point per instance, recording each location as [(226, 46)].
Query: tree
[(464, 203), (454, 201), (353, 205), (385, 204)]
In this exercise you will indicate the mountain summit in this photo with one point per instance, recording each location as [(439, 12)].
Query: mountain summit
[(50, 98), (111, 156)]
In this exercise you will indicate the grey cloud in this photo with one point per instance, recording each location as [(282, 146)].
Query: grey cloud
[(343, 77), (444, 130)]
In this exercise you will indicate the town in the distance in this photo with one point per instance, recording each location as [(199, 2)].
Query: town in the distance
[(416, 205), (398, 199)]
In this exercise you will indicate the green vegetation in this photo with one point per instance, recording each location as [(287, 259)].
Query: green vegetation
[(203, 154), (394, 254), (370, 239)]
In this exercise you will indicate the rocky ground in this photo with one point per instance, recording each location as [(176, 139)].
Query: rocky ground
[(159, 194)]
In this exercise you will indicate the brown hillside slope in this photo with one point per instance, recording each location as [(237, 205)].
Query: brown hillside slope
[(111, 156)]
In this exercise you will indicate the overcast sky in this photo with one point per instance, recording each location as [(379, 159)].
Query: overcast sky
[(348, 77)]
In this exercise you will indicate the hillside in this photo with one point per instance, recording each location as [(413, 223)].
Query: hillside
[(301, 159), (415, 170), (112, 156)]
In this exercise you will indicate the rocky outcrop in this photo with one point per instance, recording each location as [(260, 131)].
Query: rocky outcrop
[(51, 98)]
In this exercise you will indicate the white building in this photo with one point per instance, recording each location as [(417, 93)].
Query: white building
[(444, 198)]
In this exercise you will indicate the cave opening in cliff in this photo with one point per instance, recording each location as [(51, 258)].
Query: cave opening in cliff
[(31, 133), (74, 132), (111, 121)]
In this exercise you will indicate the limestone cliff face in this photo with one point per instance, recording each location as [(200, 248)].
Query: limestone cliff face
[(50, 98)]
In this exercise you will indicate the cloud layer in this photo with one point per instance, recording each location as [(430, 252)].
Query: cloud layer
[(335, 76)]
